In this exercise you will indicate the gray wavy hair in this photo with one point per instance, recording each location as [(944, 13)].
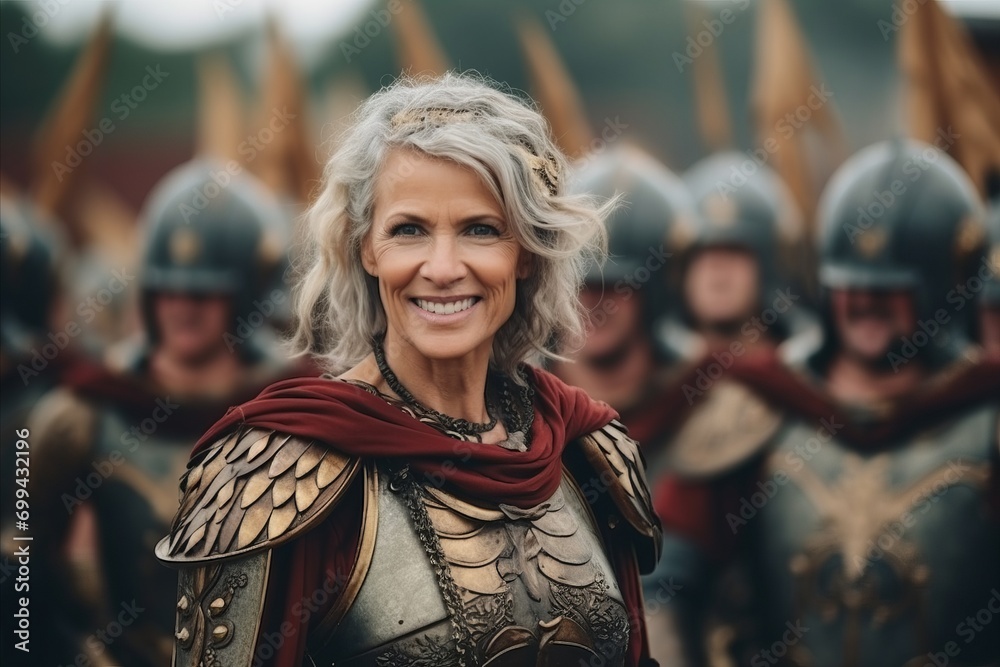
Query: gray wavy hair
[(464, 118)]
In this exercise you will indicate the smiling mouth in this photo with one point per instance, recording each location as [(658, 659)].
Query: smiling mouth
[(446, 308)]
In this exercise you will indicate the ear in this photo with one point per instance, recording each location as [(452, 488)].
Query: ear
[(368, 257), (525, 265)]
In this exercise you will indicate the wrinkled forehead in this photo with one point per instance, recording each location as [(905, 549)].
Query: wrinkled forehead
[(411, 178)]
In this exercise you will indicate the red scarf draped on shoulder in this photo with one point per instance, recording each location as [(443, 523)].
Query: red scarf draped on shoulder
[(358, 423)]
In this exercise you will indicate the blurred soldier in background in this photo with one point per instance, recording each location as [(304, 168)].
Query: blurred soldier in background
[(620, 362), (738, 286), (118, 436), (989, 303), (30, 360), (857, 498), (28, 298)]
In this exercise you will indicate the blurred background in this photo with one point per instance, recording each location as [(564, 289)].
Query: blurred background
[(626, 59), (680, 79), (100, 101)]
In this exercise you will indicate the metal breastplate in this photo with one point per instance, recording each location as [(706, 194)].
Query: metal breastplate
[(451, 583), (133, 482), (876, 559)]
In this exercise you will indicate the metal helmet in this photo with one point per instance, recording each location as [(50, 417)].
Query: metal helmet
[(208, 231), (650, 224), (29, 276), (899, 214), (744, 204)]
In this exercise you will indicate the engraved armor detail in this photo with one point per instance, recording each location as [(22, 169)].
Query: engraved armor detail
[(484, 585), (438, 580), (252, 490), (218, 612)]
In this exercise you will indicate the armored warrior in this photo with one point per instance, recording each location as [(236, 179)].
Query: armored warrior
[(116, 436), (432, 499), (621, 362), (32, 353), (845, 512), (739, 285)]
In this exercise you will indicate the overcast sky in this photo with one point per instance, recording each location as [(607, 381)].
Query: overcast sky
[(186, 24), (183, 24)]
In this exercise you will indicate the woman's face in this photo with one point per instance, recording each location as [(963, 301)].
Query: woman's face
[(444, 257)]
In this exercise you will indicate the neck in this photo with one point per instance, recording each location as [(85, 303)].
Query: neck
[(455, 387), (217, 374), (852, 381)]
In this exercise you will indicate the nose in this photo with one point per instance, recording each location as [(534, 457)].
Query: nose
[(444, 264)]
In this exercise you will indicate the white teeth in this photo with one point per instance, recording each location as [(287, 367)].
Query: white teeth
[(445, 308)]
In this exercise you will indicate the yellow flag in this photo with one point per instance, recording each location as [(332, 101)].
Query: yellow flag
[(553, 89), (949, 100), (419, 50), (61, 146), (790, 103)]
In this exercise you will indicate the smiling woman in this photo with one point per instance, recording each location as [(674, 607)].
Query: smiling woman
[(512, 168), (434, 497), (446, 265)]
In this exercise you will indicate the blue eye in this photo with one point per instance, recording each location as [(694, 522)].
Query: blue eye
[(482, 229), (405, 229)]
